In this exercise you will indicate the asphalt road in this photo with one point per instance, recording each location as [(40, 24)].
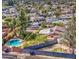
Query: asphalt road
[(40, 57), (36, 57), (27, 56)]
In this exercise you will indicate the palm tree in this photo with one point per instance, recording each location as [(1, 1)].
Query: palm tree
[(10, 23), (23, 18)]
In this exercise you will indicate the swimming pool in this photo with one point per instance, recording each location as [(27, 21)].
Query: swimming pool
[(14, 42)]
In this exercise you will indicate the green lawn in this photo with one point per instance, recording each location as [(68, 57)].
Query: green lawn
[(58, 50), (38, 39)]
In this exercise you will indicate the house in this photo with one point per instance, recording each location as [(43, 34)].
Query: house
[(5, 30), (31, 30), (33, 10), (34, 25), (49, 20), (46, 31), (56, 32), (53, 30), (46, 6), (12, 10), (58, 28), (32, 18), (9, 11), (65, 17), (41, 18), (52, 33)]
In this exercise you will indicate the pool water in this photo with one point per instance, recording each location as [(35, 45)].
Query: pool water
[(14, 42)]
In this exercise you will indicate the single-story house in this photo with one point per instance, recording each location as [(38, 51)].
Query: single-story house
[(58, 28), (49, 20), (46, 31)]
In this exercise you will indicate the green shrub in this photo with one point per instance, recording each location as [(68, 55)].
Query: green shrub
[(58, 24)]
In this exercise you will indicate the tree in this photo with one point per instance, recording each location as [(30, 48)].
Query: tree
[(15, 1), (43, 25), (9, 23), (70, 34), (10, 2), (58, 11), (12, 24), (23, 18)]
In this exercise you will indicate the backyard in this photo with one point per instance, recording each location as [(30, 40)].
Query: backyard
[(37, 22)]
